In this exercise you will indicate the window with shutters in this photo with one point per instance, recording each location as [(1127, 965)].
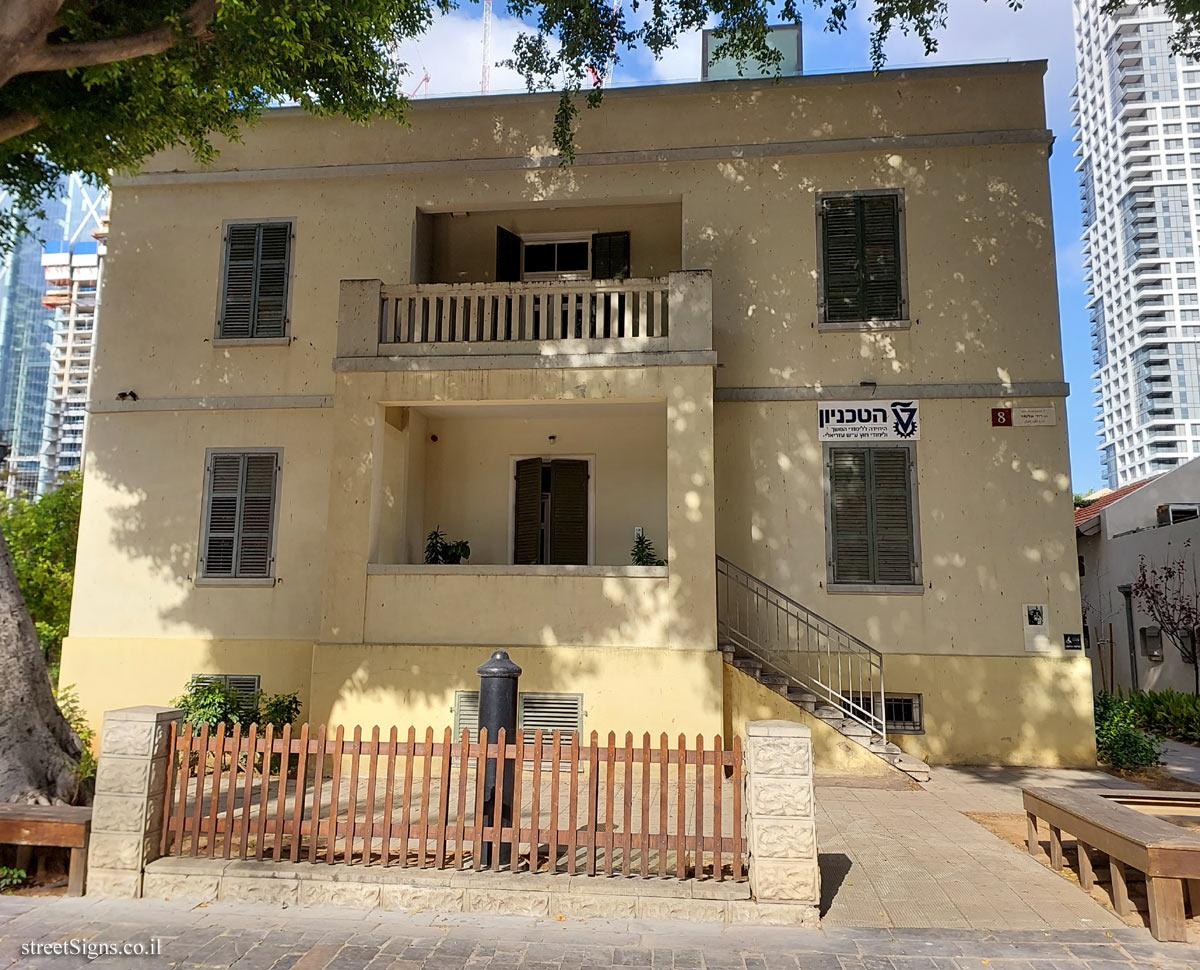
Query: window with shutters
[(862, 260), (255, 279), (241, 497), (552, 503), (871, 518)]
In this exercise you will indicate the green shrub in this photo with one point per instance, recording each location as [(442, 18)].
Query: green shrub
[(211, 703), (68, 703), (278, 709), (11, 878), (441, 551), (643, 552), (1167, 713), (1120, 741)]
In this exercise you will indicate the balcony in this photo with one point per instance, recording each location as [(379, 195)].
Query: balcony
[(550, 323)]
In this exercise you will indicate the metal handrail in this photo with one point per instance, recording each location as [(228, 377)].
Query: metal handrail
[(791, 639)]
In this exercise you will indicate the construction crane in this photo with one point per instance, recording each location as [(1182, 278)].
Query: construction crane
[(485, 82), (423, 83), (605, 75)]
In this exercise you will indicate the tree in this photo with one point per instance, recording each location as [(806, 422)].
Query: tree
[(1168, 595), (95, 86), (41, 537)]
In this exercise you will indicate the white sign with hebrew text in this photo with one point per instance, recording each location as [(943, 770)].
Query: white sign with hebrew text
[(868, 421)]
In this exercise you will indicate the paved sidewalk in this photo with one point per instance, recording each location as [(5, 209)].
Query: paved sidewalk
[(222, 937), (911, 858), (1182, 761)]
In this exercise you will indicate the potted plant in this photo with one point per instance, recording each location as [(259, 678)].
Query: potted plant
[(440, 551)]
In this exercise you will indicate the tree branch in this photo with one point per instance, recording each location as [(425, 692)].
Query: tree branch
[(88, 53), (17, 123)]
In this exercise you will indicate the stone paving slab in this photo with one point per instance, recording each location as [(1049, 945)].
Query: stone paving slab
[(912, 859), (246, 937)]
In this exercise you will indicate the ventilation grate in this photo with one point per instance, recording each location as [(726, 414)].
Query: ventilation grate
[(535, 711)]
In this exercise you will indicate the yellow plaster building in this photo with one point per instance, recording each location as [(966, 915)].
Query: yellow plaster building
[(803, 335)]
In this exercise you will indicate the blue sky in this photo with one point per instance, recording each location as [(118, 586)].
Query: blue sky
[(976, 31)]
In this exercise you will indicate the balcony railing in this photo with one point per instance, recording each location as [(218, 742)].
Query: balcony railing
[(670, 313)]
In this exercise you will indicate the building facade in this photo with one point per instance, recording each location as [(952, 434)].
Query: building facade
[(73, 273), (1156, 522), (45, 321), (802, 335), (1137, 116)]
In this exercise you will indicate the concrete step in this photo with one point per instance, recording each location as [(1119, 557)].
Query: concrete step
[(883, 748), (827, 712), (776, 682), (915, 768), (747, 663)]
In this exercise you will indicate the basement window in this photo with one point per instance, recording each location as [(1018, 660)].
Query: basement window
[(535, 711), (902, 713), (245, 687)]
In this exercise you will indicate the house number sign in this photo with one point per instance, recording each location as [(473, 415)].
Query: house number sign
[(869, 421)]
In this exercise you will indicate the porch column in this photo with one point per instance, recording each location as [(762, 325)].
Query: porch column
[(781, 819)]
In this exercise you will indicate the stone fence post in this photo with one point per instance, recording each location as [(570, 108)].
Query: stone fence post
[(781, 818), (127, 817)]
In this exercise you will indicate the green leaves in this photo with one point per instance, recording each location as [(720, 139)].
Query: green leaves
[(41, 536), (1120, 741)]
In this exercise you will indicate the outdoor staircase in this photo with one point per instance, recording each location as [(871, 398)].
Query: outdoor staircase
[(814, 664)]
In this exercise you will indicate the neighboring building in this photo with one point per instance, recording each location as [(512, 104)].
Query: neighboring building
[(1158, 519), (73, 273), (30, 325), (808, 325), (1138, 131), (25, 327)]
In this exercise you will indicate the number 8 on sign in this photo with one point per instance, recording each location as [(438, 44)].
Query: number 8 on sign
[(1001, 417)]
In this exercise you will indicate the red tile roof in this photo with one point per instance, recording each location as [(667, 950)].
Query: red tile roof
[(1092, 509)]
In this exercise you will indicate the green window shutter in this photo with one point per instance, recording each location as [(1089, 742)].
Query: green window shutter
[(508, 256), (239, 527), (891, 492), (258, 516), (881, 257), (873, 534), (237, 305), (270, 307), (850, 508), (841, 255), (224, 509), (568, 512), (861, 259), (255, 288), (610, 256), (528, 512)]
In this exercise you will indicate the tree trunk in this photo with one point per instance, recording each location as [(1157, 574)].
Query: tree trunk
[(38, 750)]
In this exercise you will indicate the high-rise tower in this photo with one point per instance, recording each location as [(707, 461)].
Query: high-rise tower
[(1137, 121)]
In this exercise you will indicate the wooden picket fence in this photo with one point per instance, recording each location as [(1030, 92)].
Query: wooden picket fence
[(651, 810)]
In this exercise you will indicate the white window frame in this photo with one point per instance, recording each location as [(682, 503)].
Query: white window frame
[(583, 236), (259, 581), (512, 503)]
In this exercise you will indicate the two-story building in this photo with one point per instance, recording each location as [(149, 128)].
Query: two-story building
[(803, 335)]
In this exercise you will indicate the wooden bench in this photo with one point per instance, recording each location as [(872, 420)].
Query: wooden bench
[(68, 826), (1125, 825)]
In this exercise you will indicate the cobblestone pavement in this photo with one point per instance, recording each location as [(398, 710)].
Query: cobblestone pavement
[(224, 937)]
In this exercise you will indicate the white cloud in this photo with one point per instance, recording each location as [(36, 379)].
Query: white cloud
[(452, 52)]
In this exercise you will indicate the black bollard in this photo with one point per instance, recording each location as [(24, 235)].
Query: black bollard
[(498, 709)]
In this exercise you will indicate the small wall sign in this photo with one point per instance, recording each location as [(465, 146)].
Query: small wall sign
[(1072, 641), (869, 421), (1037, 627), (1024, 417)]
